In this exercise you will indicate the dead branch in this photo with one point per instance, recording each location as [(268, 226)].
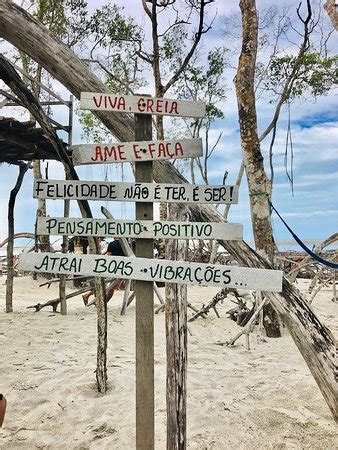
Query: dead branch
[(221, 295), (247, 329), (289, 82), (54, 303), (18, 236), (308, 259)]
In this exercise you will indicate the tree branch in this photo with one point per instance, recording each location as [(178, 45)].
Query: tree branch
[(201, 30), (294, 73)]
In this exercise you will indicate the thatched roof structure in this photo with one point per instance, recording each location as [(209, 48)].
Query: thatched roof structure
[(22, 141)]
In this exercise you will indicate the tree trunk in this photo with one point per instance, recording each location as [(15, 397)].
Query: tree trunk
[(10, 244), (177, 356), (259, 184), (313, 339)]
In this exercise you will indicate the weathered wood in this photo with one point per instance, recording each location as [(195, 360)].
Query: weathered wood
[(18, 236), (145, 229), (100, 153), (248, 328), (334, 287), (221, 295), (66, 208), (54, 303), (177, 354), (134, 192), (22, 141), (10, 244), (141, 105), (143, 269), (145, 403), (62, 285), (312, 338)]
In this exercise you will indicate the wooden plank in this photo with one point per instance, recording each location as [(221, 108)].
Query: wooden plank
[(100, 153), (141, 105), (134, 192), (154, 270), (144, 314), (145, 229)]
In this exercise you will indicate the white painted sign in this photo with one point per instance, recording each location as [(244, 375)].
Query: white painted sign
[(145, 229), (153, 270), (136, 151), (141, 104), (134, 192)]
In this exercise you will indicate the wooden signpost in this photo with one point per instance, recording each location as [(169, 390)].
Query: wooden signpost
[(180, 272), (134, 192), (141, 105), (144, 312), (136, 151), (145, 229), (143, 268)]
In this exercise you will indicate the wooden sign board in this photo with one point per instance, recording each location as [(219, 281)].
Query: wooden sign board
[(136, 151), (144, 229), (141, 105), (145, 269), (134, 192)]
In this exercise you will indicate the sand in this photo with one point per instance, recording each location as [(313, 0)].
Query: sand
[(265, 398)]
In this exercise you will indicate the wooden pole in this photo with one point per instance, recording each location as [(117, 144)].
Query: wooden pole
[(144, 307), (62, 285), (176, 331), (10, 244), (334, 288)]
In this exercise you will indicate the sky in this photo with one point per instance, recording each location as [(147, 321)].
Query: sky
[(311, 210)]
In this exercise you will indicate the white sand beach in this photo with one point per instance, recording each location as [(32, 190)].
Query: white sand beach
[(265, 398)]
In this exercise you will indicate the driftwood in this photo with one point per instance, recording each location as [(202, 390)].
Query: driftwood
[(54, 303), (57, 280), (221, 295), (313, 339), (18, 236), (248, 328), (240, 313), (320, 286), (308, 259)]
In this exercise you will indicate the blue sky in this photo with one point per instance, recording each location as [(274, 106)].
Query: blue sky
[(312, 211)]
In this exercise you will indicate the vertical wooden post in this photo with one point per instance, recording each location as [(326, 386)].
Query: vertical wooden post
[(144, 307), (334, 288), (10, 244), (176, 331), (62, 285)]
